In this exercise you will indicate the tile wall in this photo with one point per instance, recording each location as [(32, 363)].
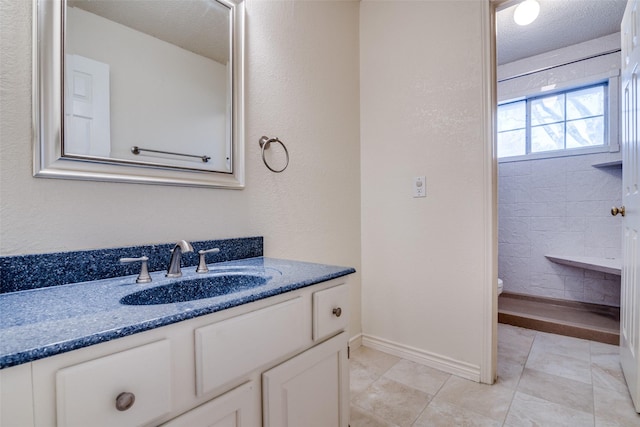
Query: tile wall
[(559, 206)]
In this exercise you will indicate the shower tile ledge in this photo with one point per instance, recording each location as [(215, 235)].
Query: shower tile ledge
[(604, 265)]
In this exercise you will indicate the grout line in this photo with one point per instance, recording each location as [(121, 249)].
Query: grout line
[(524, 366), (423, 409), (593, 389)]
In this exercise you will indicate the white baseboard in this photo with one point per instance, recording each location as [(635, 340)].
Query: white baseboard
[(355, 342), (443, 363)]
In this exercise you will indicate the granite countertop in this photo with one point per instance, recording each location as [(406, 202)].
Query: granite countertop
[(44, 322)]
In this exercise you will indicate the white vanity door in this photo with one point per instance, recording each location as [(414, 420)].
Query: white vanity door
[(16, 396), (236, 408), (310, 390)]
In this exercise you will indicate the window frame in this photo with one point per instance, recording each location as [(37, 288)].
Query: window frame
[(611, 118)]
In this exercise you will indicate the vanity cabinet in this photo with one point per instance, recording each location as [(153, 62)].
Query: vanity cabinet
[(279, 361)]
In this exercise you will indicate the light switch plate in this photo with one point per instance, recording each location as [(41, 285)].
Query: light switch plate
[(420, 186)]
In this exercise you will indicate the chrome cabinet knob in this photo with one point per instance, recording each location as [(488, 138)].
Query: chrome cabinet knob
[(615, 211), (125, 401), (337, 312)]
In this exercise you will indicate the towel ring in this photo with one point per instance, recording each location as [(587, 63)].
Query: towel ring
[(264, 142)]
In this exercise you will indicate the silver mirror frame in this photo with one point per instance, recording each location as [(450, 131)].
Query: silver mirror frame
[(48, 76)]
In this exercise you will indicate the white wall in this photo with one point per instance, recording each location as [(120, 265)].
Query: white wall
[(162, 97), (302, 86), (426, 262)]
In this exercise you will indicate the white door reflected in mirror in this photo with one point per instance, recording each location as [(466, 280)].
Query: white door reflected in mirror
[(87, 118)]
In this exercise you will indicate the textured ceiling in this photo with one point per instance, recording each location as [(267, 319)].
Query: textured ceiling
[(561, 23), (200, 26)]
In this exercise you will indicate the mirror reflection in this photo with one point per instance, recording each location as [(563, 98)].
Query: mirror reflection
[(149, 82)]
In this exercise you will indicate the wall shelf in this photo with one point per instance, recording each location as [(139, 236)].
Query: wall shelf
[(614, 163), (605, 265)]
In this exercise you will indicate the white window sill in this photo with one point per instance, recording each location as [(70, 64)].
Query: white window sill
[(561, 153)]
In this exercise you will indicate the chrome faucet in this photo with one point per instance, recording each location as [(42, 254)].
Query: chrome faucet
[(176, 255)]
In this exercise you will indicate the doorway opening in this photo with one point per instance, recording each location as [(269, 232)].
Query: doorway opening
[(560, 169)]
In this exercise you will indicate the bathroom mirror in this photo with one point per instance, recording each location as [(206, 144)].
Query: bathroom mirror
[(141, 91)]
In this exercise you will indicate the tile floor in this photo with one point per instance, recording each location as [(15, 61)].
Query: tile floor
[(543, 380)]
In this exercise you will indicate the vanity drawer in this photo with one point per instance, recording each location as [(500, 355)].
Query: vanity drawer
[(230, 349), (86, 393), (330, 311)]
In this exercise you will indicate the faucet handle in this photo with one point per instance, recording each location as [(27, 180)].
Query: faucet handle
[(202, 265), (144, 276)]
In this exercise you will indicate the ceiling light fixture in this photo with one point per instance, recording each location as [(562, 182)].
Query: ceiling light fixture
[(526, 12)]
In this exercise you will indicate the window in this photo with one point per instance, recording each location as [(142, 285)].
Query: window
[(560, 121)]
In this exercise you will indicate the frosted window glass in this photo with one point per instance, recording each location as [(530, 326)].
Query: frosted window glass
[(512, 143), (547, 138), (585, 133), (549, 109), (585, 103), (512, 116)]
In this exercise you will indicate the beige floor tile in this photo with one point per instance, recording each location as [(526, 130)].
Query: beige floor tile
[(376, 361), (491, 401), (601, 422), (613, 408), (392, 401), (598, 348), (532, 411), (606, 372), (562, 366), (418, 376), (563, 391), (510, 332), (564, 346), (443, 414), (514, 356), (509, 371), (514, 342), (361, 418), (360, 377), (566, 381)]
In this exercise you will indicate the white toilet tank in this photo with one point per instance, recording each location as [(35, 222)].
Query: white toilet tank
[(500, 286)]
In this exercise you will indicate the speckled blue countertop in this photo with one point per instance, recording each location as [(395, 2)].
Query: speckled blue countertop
[(44, 322)]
